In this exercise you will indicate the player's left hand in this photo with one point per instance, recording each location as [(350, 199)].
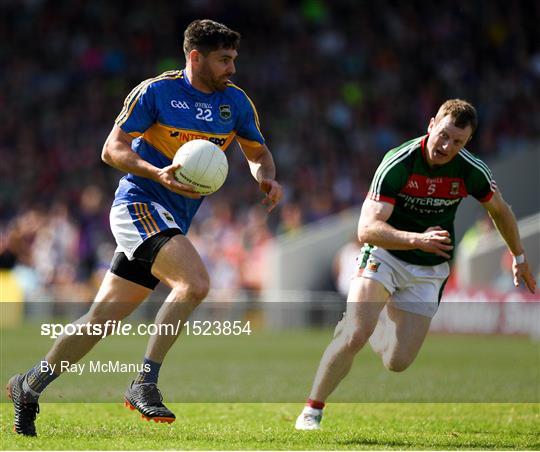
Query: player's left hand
[(523, 272), (274, 193)]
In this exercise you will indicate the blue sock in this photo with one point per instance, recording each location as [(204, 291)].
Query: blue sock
[(38, 378), (149, 373)]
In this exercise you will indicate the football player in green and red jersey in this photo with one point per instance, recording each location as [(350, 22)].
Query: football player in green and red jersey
[(406, 226)]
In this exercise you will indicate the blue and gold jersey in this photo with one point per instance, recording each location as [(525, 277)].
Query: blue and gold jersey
[(165, 112)]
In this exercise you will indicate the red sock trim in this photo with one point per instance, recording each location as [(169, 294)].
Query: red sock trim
[(315, 404)]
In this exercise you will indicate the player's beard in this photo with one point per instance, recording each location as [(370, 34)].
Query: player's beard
[(215, 83)]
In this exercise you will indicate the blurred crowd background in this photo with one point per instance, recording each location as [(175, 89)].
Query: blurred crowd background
[(336, 83)]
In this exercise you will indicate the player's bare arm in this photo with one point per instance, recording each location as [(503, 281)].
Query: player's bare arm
[(505, 222), (117, 153), (373, 229), (263, 169)]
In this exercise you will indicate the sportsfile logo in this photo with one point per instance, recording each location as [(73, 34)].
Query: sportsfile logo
[(119, 328)]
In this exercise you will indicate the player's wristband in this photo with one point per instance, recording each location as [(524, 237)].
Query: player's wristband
[(519, 259)]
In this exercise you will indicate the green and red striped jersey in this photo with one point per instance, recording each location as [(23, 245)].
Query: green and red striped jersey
[(425, 197)]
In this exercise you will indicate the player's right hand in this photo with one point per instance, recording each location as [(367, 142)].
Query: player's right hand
[(435, 240), (522, 272), (274, 193), (165, 176)]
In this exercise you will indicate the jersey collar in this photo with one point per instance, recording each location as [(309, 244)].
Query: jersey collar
[(423, 147)]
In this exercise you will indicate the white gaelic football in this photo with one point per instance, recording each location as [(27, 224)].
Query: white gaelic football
[(204, 166)]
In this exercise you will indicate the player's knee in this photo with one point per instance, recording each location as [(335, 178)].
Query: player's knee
[(193, 292), (198, 290), (395, 363)]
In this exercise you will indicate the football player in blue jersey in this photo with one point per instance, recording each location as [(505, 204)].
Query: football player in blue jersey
[(152, 211)]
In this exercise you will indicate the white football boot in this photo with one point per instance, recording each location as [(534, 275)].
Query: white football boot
[(309, 419)]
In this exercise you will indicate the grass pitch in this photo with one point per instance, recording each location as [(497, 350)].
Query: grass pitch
[(207, 426), (223, 374)]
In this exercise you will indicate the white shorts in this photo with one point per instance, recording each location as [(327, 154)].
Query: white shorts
[(133, 223), (412, 288)]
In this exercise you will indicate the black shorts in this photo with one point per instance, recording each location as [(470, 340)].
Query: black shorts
[(139, 270)]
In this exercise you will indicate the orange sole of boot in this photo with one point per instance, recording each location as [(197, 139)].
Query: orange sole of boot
[(161, 420)]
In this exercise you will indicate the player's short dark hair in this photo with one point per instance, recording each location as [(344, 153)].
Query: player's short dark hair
[(207, 35), (461, 112)]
